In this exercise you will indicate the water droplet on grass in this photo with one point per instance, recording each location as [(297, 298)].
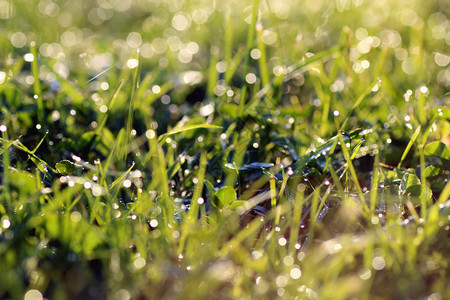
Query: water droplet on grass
[(6, 223), (378, 263), (365, 274), (132, 63), (29, 57), (75, 217), (33, 295), (282, 280), (127, 183), (288, 260), (295, 273), (154, 223)]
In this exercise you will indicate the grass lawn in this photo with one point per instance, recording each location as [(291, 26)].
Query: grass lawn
[(204, 149)]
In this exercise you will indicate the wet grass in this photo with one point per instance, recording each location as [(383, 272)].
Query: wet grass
[(206, 149)]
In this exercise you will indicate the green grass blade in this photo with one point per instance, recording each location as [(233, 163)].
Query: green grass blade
[(187, 128), (130, 118), (250, 42), (351, 168), (408, 147), (6, 163), (121, 177), (262, 61), (40, 143), (360, 99), (37, 85), (110, 105)]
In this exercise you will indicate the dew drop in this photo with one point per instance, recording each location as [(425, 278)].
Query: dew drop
[(365, 274), (127, 183), (29, 57), (295, 273), (282, 241), (33, 295), (378, 263), (154, 223)]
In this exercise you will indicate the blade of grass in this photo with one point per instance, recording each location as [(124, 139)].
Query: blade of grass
[(213, 76), (359, 100), (301, 67), (297, 207), (6, 164), (110, 105), (22, 147), (408, 147), (193, 210), (121, 177), (374, 184), (313, 214), (160, 173), (190, 223), (262, 61), (37, 90), (445, 194), (77, 97), (353, 173), (40, 142), (130, 118), (228, 47), (187, 128), (250, 41), (152, 97), (234, 64), (273, 199), (425, 200)]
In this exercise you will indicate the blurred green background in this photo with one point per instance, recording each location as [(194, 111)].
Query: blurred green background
[(86, 37)]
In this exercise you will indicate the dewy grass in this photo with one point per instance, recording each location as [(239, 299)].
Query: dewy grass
[(37, 84), (250, 151)]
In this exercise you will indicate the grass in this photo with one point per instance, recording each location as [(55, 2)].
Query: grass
[(198, 149)]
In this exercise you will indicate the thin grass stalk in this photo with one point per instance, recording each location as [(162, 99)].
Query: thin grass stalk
[(37, 90), (6, 164), (297, 207), (250, 41), (228, 46), (374, 184), (408, 147), (351, 168), (313, 214), (135, 85), (262, 61)]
